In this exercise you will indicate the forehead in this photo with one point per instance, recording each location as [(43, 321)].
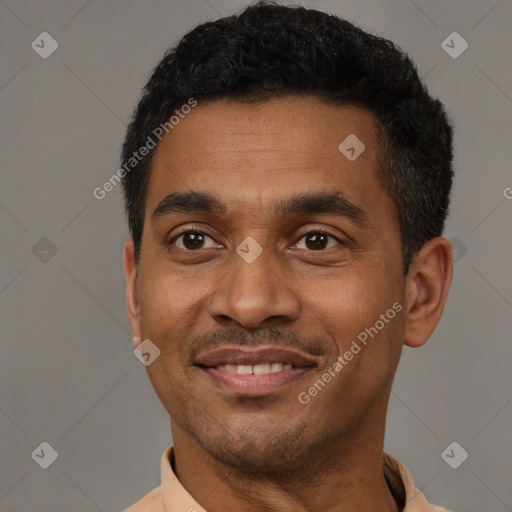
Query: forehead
[(247, 154)]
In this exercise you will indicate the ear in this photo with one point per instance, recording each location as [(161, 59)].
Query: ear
[(132, 294), (427, 286)]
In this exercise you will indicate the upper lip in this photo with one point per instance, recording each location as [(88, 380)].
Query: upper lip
[(253, 356)]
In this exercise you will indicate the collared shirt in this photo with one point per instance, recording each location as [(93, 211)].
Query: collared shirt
[(171, 496)]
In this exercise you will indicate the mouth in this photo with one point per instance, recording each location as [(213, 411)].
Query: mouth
[(254, 372)]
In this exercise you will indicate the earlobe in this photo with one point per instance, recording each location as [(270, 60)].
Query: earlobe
[(132, 295), (428, 284)]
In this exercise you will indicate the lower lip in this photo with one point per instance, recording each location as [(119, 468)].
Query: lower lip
[(255, 385)]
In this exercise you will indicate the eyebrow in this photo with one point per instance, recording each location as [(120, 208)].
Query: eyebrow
[(330, 203)]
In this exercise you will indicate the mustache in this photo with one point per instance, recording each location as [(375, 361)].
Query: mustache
[(269, 336)]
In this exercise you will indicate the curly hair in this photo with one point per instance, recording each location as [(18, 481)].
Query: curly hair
[(271, 50)]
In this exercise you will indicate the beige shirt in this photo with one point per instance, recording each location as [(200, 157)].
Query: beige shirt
[(171, 496)]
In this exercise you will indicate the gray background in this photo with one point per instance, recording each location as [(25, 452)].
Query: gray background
[(68, 375)]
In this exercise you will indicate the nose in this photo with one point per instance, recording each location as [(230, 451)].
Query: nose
[(253, 295)]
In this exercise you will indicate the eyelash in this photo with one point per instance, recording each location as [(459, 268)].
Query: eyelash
[(321, 231)]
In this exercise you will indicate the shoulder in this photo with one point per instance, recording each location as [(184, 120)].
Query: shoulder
[(403, 488), (152, 502)]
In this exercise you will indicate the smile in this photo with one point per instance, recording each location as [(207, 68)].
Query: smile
[(258, 371)]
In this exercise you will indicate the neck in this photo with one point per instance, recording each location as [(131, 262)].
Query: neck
[(348, 476)]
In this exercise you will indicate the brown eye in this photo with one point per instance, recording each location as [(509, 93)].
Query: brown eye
[(318, 241), (192, 240)]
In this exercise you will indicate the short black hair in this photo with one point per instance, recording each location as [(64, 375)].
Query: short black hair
[(270, 50)]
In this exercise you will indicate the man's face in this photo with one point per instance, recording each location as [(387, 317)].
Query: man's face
[(328, 269)]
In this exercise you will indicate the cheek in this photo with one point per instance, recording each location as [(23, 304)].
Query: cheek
[(167, 303), (359, 313), (347, 301), (162, 304)]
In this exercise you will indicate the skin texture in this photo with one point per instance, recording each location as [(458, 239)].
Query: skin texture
[(272, 452)]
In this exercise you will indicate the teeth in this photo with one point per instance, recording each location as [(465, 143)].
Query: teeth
[(260, 369), (243, 369), (257, 369)]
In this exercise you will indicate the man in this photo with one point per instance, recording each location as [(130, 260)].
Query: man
[(287, 179)]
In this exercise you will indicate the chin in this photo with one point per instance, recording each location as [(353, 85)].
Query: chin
[(250, 449)]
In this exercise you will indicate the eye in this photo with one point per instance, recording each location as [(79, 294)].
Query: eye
[(318, 240), (193, 240)]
